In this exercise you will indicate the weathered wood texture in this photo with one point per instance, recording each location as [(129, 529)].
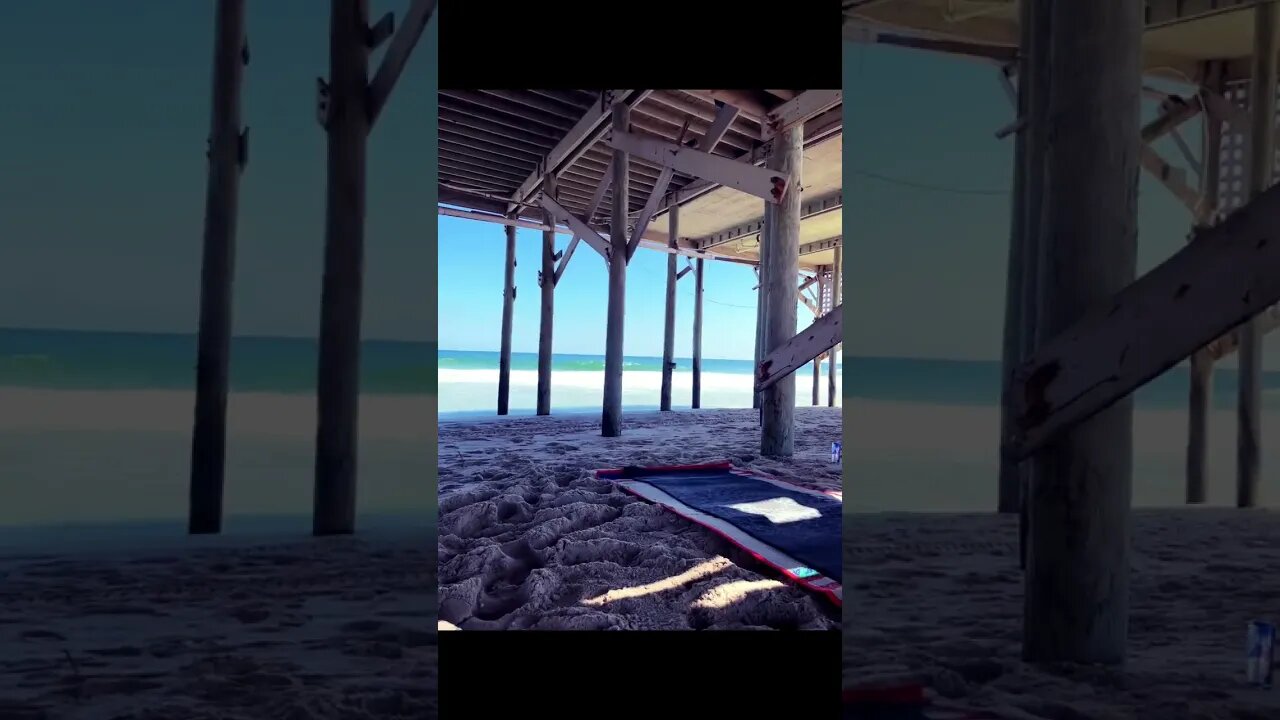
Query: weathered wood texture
[(1077, 575), (1200, 390), (837, 301), (761, 182), (697, 333), (508, 315), (778, 282), (546, 318), (824, 334), (1262, 97), (338, 377), (611, 414), (669, 312), (1019, 264), (217, 270)]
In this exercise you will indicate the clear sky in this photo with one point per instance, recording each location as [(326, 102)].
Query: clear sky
[(104, 123), (472, 256)]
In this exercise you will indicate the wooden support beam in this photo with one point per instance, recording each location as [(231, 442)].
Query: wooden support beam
[(837, 301), (1077, 576), (744, 100), (1012, 474), (1200, 390), (818, 246), (832, 202), (578, 225), (646, 213), (217, 269), (761, 182), (596, 198), (338, 377), (669, 315), (1173, 179), (725, 115), (508, 314), (546, 318), (684, 271), (817, 362), (1229, 273), (797, 351), (697, 333), (761, 310), (589, 128), (1262, 102), (406, 38), (797, 110), (611, 414), (777, 282)]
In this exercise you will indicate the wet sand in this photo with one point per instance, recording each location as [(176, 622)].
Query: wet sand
[(529, 539), (938, 599)]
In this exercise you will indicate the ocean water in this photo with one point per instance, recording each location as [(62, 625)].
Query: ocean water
[(468, 383), (82, 360)]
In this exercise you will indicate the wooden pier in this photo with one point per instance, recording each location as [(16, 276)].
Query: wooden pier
[(348, 104), (1076, 348), (722, 166)]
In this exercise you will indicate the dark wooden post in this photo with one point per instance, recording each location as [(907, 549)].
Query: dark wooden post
[(697, 333), (817, 362), (778, 281), (1077, 576), (508, 314), (1200, 391), (669, 318), (338, 385), (546, 281), (611, 417), (226, 154), (1012, 473), (837, 270), (1262, 100)]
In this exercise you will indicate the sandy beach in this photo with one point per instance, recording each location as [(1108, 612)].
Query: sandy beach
[(529, 539), (937, 598), (226, 628)]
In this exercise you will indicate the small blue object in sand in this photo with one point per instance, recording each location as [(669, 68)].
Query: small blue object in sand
[(835, 451), (1259, 652)]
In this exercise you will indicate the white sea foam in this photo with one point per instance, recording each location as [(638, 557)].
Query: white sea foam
[(477, 390)]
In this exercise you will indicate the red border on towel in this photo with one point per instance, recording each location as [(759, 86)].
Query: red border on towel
[(807, 583)]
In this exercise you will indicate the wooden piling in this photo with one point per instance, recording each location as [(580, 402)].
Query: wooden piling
[(1077, 576), (1200, 392), (837, 271), (209, 433), (1011, 472), (777, 280), (1262, 102), (546, 323), (697, 333), (338, 377), (508, 313), (817, 362), (1039, 24), (611, 416), (669, 318)]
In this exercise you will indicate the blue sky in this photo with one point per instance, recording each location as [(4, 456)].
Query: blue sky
[(102, 192), (471, 297)]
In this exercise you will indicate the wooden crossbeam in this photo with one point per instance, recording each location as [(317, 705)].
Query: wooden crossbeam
[(748, 178), (584, 133), (1230, 273), (824, 334), (596, 198), (795, 111), (402, 44), (579, 227)]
